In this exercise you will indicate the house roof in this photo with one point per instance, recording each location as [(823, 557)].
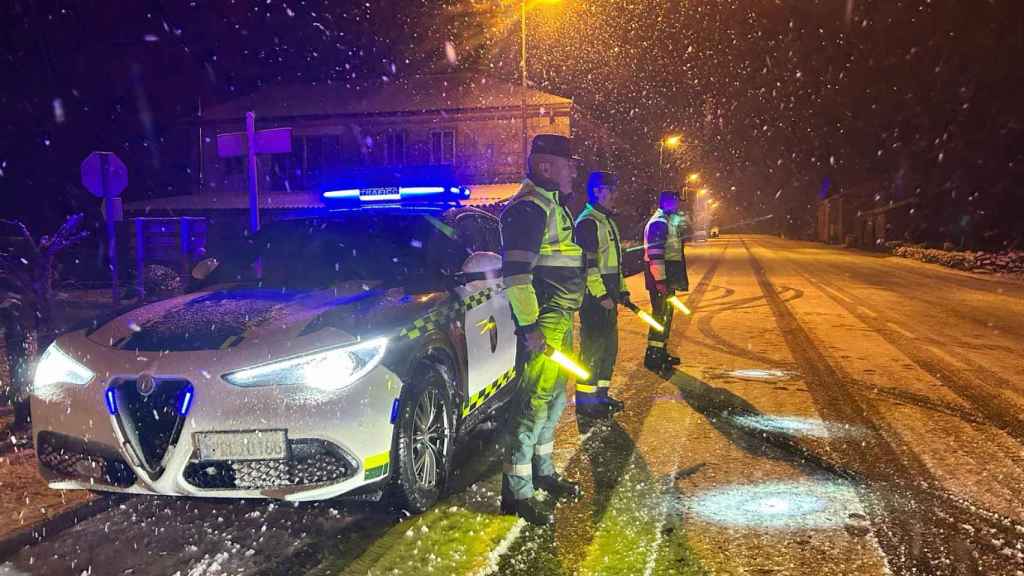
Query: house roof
[(481, 195), (415, 94)]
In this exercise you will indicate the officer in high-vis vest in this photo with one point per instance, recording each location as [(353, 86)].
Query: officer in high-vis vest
[(542, 271), (598, 235), (665, 273)]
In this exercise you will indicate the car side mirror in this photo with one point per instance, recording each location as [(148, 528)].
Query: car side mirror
[(204, 268), (485, 266)]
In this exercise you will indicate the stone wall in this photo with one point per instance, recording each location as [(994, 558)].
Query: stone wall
[(980, 262)]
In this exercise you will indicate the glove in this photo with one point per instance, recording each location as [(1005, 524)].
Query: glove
[(624, 299), (534, 340), (661, 287), (607, 303)]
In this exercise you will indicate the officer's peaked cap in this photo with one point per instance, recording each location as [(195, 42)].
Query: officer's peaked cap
[(600, 178), (551, 144)]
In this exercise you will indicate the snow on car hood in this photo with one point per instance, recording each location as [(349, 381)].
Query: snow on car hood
[(234, 317)]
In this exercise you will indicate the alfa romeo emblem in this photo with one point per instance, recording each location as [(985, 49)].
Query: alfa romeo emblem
[(146, 384)]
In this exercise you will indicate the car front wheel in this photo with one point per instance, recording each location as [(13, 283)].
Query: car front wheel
[(424, 443)]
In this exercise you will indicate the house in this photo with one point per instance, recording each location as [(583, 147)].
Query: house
[(466, 120)]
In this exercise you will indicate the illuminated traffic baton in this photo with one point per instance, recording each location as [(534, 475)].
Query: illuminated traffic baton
[(675, 301), (567, 363), (645, 317)]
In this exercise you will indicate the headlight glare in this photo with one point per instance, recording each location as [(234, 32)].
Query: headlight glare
[(325, 370), (56, 368)]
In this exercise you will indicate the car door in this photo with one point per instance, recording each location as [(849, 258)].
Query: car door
[(490, 332)]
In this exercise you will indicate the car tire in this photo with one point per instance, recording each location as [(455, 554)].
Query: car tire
[(424, 440)]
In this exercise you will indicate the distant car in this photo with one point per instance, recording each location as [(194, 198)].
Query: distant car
[(713, 233), (374, 338)]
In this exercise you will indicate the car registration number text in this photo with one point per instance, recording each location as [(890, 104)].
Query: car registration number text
[(252, 445)]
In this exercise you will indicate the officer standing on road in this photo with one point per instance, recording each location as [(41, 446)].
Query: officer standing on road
[(665, 273), (542, 270), (598, 235)]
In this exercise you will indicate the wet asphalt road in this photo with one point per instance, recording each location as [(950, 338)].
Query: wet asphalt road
[(837, 412)]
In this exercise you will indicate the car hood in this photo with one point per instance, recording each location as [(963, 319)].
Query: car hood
[(232, 317)]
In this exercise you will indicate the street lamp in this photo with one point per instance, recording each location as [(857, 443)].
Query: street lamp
[(524, 5), (672, 142), (693, 178)]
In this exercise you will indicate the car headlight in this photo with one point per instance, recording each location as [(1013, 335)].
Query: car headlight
[(325, 370), (55, 369)]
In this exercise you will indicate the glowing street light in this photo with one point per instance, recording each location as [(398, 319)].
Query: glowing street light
[(693, 178), (702, 191), (672, 141)]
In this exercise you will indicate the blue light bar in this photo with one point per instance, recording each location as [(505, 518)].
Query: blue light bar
[(438, 194), (111, 401), (356, 187)]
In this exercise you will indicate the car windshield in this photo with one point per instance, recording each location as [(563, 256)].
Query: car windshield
[(383, 250)]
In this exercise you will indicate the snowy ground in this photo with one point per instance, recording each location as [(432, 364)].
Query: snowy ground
[(836, 413)]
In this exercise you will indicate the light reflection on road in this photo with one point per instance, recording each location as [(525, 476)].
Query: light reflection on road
[(779, 505)]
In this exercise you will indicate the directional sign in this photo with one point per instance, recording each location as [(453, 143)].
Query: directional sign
[(104, 175), (269, 141)]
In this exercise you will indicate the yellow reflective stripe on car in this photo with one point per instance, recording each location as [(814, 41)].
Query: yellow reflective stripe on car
[(482, 396), (377, 465), (430, 321)]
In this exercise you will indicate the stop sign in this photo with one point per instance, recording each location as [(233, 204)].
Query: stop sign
[(104, 174)]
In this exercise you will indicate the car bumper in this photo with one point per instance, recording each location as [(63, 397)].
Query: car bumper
[(338, 441)]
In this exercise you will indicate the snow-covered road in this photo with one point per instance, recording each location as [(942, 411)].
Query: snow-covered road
[(836, 412)]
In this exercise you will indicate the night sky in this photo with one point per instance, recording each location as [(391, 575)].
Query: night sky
[(894, 97)]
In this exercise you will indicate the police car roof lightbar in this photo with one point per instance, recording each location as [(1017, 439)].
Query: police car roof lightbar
[(423, 185), (424, 194)]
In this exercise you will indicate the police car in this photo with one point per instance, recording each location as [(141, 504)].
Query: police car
[(377, 333)]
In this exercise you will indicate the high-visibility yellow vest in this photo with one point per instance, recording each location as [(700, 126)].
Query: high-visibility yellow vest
[(672, 249), (609, 253), (556, 277)]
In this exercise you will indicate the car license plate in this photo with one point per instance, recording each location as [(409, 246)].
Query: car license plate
[(254, 445)]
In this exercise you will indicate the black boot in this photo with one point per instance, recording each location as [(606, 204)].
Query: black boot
[(557, 486), (593, 410), (614, 405), (527, 509), (671, 360), (654, 360)]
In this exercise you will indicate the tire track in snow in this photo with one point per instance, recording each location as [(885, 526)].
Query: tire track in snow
[(920, 529)]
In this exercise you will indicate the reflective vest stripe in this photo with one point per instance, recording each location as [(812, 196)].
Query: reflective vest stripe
[(559, 261), (520, 256)]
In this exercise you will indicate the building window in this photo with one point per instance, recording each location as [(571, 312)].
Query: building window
[(323, 153), (394, 148), (442, 147), (234, 165)]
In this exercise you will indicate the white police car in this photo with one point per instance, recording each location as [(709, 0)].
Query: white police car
[(374, 338)]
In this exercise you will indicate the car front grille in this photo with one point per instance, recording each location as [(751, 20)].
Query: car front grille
[(309, 462), (68, 458), (152, 422)]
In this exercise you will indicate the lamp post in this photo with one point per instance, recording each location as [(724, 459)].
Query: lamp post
[(522, 68), (671, 142)]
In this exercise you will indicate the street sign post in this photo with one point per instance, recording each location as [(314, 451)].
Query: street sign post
[(105, 176), (269, 141)]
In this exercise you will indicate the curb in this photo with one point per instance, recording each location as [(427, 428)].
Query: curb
[(12, 544)]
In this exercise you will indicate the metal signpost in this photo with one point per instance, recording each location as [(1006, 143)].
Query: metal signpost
[(270, 141), (105, 176)]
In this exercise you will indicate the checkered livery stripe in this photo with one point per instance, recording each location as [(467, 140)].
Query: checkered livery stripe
[(482, 396), (433, 319)]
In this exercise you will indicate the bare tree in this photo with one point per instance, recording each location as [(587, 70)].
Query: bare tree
[(26, 302)]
